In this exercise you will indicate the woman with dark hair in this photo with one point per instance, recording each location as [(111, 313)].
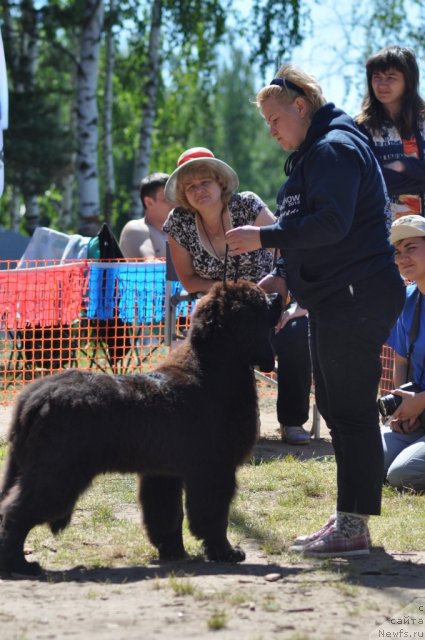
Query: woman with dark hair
[(393, 117)]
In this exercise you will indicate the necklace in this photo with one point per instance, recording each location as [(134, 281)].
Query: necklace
[(215, 237)]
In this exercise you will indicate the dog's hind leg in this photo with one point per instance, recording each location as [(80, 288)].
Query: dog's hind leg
[(208, 502), (14, 528), (162, 504), (36, 499)]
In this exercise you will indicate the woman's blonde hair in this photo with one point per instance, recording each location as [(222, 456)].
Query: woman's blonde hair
[(200, 171), (302, 84)]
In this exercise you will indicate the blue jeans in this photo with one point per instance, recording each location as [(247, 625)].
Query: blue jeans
[(293, 372), (404, 458), (347, 331)]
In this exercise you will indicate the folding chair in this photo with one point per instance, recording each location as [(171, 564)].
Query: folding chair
[(174, 295)]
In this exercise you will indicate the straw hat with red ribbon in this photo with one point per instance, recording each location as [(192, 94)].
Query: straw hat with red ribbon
[(201, 156)]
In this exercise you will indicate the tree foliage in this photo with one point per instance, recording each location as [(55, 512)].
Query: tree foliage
[(277, 28), (204, 93)]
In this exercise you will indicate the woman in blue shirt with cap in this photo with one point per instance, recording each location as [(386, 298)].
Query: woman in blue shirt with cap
[(404, 435)]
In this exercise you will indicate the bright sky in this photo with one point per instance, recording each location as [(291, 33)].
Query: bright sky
[(334, 51), (326, 55)]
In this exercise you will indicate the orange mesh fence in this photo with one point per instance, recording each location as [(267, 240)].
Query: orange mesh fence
[(99, 315), (387, 359)]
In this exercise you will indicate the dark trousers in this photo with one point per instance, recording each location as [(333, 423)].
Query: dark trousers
[(294, 372), (347, 332)]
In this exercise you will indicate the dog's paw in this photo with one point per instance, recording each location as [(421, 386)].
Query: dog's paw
[(231, 554), (172, 557), (169, 552), (21, 569)]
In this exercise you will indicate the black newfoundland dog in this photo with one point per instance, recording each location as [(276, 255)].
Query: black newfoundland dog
[(186, 425)]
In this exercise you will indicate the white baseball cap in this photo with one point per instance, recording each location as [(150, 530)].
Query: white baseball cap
[(407, 227)]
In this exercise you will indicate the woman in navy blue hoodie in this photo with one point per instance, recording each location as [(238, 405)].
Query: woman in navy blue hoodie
[(333, 237)]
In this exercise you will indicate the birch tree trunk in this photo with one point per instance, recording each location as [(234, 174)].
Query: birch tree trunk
[(67, 182), (28, 68), (108, 160), (10, 38), (15, 209), (150, 92), (32, 213), (87, 119), (67, 202)]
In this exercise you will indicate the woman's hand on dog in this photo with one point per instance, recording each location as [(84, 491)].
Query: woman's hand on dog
[(243, 239), (292, 312)]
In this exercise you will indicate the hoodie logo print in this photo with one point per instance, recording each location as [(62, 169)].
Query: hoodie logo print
[(290, 205)]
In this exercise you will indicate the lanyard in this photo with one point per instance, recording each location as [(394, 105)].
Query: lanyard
[(414, 330)]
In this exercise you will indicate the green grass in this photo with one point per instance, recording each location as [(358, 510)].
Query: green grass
[(276, 501), (3, 452), (181, 585), (281, 499), (217, 620)]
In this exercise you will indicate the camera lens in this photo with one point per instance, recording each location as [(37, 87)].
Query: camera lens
[(388, 404)]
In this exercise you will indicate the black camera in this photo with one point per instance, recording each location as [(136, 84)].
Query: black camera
[(389, 403)]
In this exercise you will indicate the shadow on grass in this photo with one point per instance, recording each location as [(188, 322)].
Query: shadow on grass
[(182, 568), (381, 570), (273, 447)]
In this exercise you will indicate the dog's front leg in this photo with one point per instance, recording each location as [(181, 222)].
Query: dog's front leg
[(161, 499), (208, 498)]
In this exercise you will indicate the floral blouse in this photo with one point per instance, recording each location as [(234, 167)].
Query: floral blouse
[(243, 208)]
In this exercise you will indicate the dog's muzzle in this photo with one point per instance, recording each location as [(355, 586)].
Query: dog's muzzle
[(274, 307), (274, 301)]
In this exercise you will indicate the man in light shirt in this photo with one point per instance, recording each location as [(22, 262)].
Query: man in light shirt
[(144, 238)]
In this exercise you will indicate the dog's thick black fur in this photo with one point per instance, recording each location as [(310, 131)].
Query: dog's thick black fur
[(188, 424)]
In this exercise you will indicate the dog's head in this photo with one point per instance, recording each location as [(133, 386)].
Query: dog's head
[(236, 318)]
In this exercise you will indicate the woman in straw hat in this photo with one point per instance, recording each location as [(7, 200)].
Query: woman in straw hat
[(333, 238), (205, 190)]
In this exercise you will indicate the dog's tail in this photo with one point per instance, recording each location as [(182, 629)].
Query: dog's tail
[(16, 437), (29, 413), (10, 477)]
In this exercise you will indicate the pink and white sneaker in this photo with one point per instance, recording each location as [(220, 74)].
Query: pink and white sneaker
[(332, 544), (303, 540)]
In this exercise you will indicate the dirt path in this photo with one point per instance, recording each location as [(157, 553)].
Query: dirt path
[(260, 600)]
